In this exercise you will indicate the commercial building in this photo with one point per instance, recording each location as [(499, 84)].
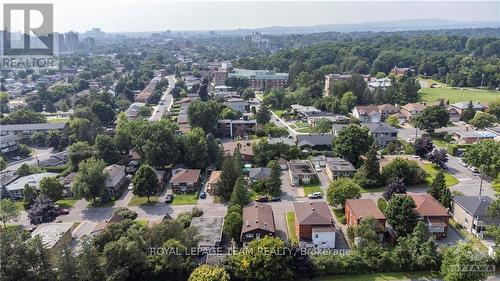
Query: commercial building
[(261, 79)]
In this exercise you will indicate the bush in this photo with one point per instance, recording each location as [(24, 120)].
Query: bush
[(56, 169), (195, 212), (409, 171), (382, 204)]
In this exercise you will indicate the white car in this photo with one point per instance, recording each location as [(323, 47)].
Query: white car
[(461, 162), (473, 169), (461, 122), (317, 168), (417, 157), (315, 195)]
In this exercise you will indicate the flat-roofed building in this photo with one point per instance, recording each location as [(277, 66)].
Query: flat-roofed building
[(261, 79), (210, 229)]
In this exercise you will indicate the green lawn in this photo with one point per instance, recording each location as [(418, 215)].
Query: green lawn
[(470, 238), (66, 203), (185, 198), (290, 219), (278, 112), (58, 120), (340, 215), (140, 201), (19, 205), (432, 171), (458, 94), (401, 276), (142, 222), (312, 188), (440, 143)]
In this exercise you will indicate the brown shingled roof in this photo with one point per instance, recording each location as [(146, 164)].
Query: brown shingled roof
[(426, 205), (312, 213), (363, 208), (258, 216), (186, 176)]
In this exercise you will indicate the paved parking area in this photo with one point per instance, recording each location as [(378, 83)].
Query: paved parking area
[(452, 238)]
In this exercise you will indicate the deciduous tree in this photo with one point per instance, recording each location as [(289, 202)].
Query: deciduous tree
[(400, 214), (352, 142), (8, 211), (90, 183), (145, 182), (52, 188), (342, 189)]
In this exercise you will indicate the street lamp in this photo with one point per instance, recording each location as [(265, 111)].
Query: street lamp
[(482, 79)]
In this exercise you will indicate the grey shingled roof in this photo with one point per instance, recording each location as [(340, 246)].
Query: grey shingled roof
[(475, 205), (39, 126), (380, 128)]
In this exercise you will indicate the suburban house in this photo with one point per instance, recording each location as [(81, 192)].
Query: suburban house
[(319, 160), (259, 174), (367, 113), (432, 213), (304, 112), (244, 147), (332, 118), (387, 109), (24, 131), (470, 137), (413, 109), (454, 114), (463, 105), (210, 229), (357, 209), (67, 181), (185, 180), (54, 235), (103, 225), (339, 168), (258, 221), (116, 178), (8, 143), (315, 141), (470, 213), (383, 133), (301, 172), (227, 128), (400, 71), (134, 109), (15, 189), (314, 223), (146, 93), (212, 181)]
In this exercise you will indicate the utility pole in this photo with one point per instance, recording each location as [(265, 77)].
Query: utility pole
[(482, 79)]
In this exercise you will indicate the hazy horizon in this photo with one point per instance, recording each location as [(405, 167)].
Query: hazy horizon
[(157, 15)]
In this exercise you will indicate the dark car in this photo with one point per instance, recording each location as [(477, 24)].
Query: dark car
[(275, 199), (169, 198), (62, 211), (130, 170), (262, 199), (203, 195)]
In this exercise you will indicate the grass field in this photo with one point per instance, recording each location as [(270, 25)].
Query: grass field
[(290, 222), (140, 201), (185, 199), (402, 276), (58, 120), (312, 188), (458, 94), (432, 171), (66, 203)]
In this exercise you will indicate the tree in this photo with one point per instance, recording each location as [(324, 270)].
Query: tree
[(494, 108), (368, 175), (352, 142), (81, 129), (482, 120), (203, 115), (347, 102), (460, 261), (66, 263), (323, 125), (445, 198), (51, 188), (249, 93), (437, 186), (42, 210), (409, 171), (342, 189), (79, 152), (195, 149), (208, 273), (213, 148), (438, 157), (23, 116), (432, 118), (25, 170), (263, 115), (38, 138), (400, 214), (29, 195), (145, 182), (485, 155), (54, 138), (8, 211), (468, 113), (3, 163), (103, 111), (423, 146), (90, 183), (232, 225), (274, 182), (230, 172), (105, 149), (126, 213), (87, 263), (240, 195), (395, 187), (368, 230), (203, 90)]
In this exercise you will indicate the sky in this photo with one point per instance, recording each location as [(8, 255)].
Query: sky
[(160, 15)]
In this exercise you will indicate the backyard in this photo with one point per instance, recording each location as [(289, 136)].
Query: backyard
[(432, 171), (454, 95)]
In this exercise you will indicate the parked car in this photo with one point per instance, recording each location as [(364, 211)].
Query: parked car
[(461, 122), (275, 199), (17, 158), (169, 198), (262, 199), (317, 168), (62, 211), (461, 162), (315, 195), (203, 195), (473, 169), (417, 157)]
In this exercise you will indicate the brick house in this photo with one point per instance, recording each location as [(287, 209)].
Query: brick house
[(258, 221), (185, 180), (310, 216), (432, 213), (357, 209)]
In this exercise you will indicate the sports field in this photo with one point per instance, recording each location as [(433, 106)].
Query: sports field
[(454, 95)]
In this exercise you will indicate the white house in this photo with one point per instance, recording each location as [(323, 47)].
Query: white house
[(323, 237)]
